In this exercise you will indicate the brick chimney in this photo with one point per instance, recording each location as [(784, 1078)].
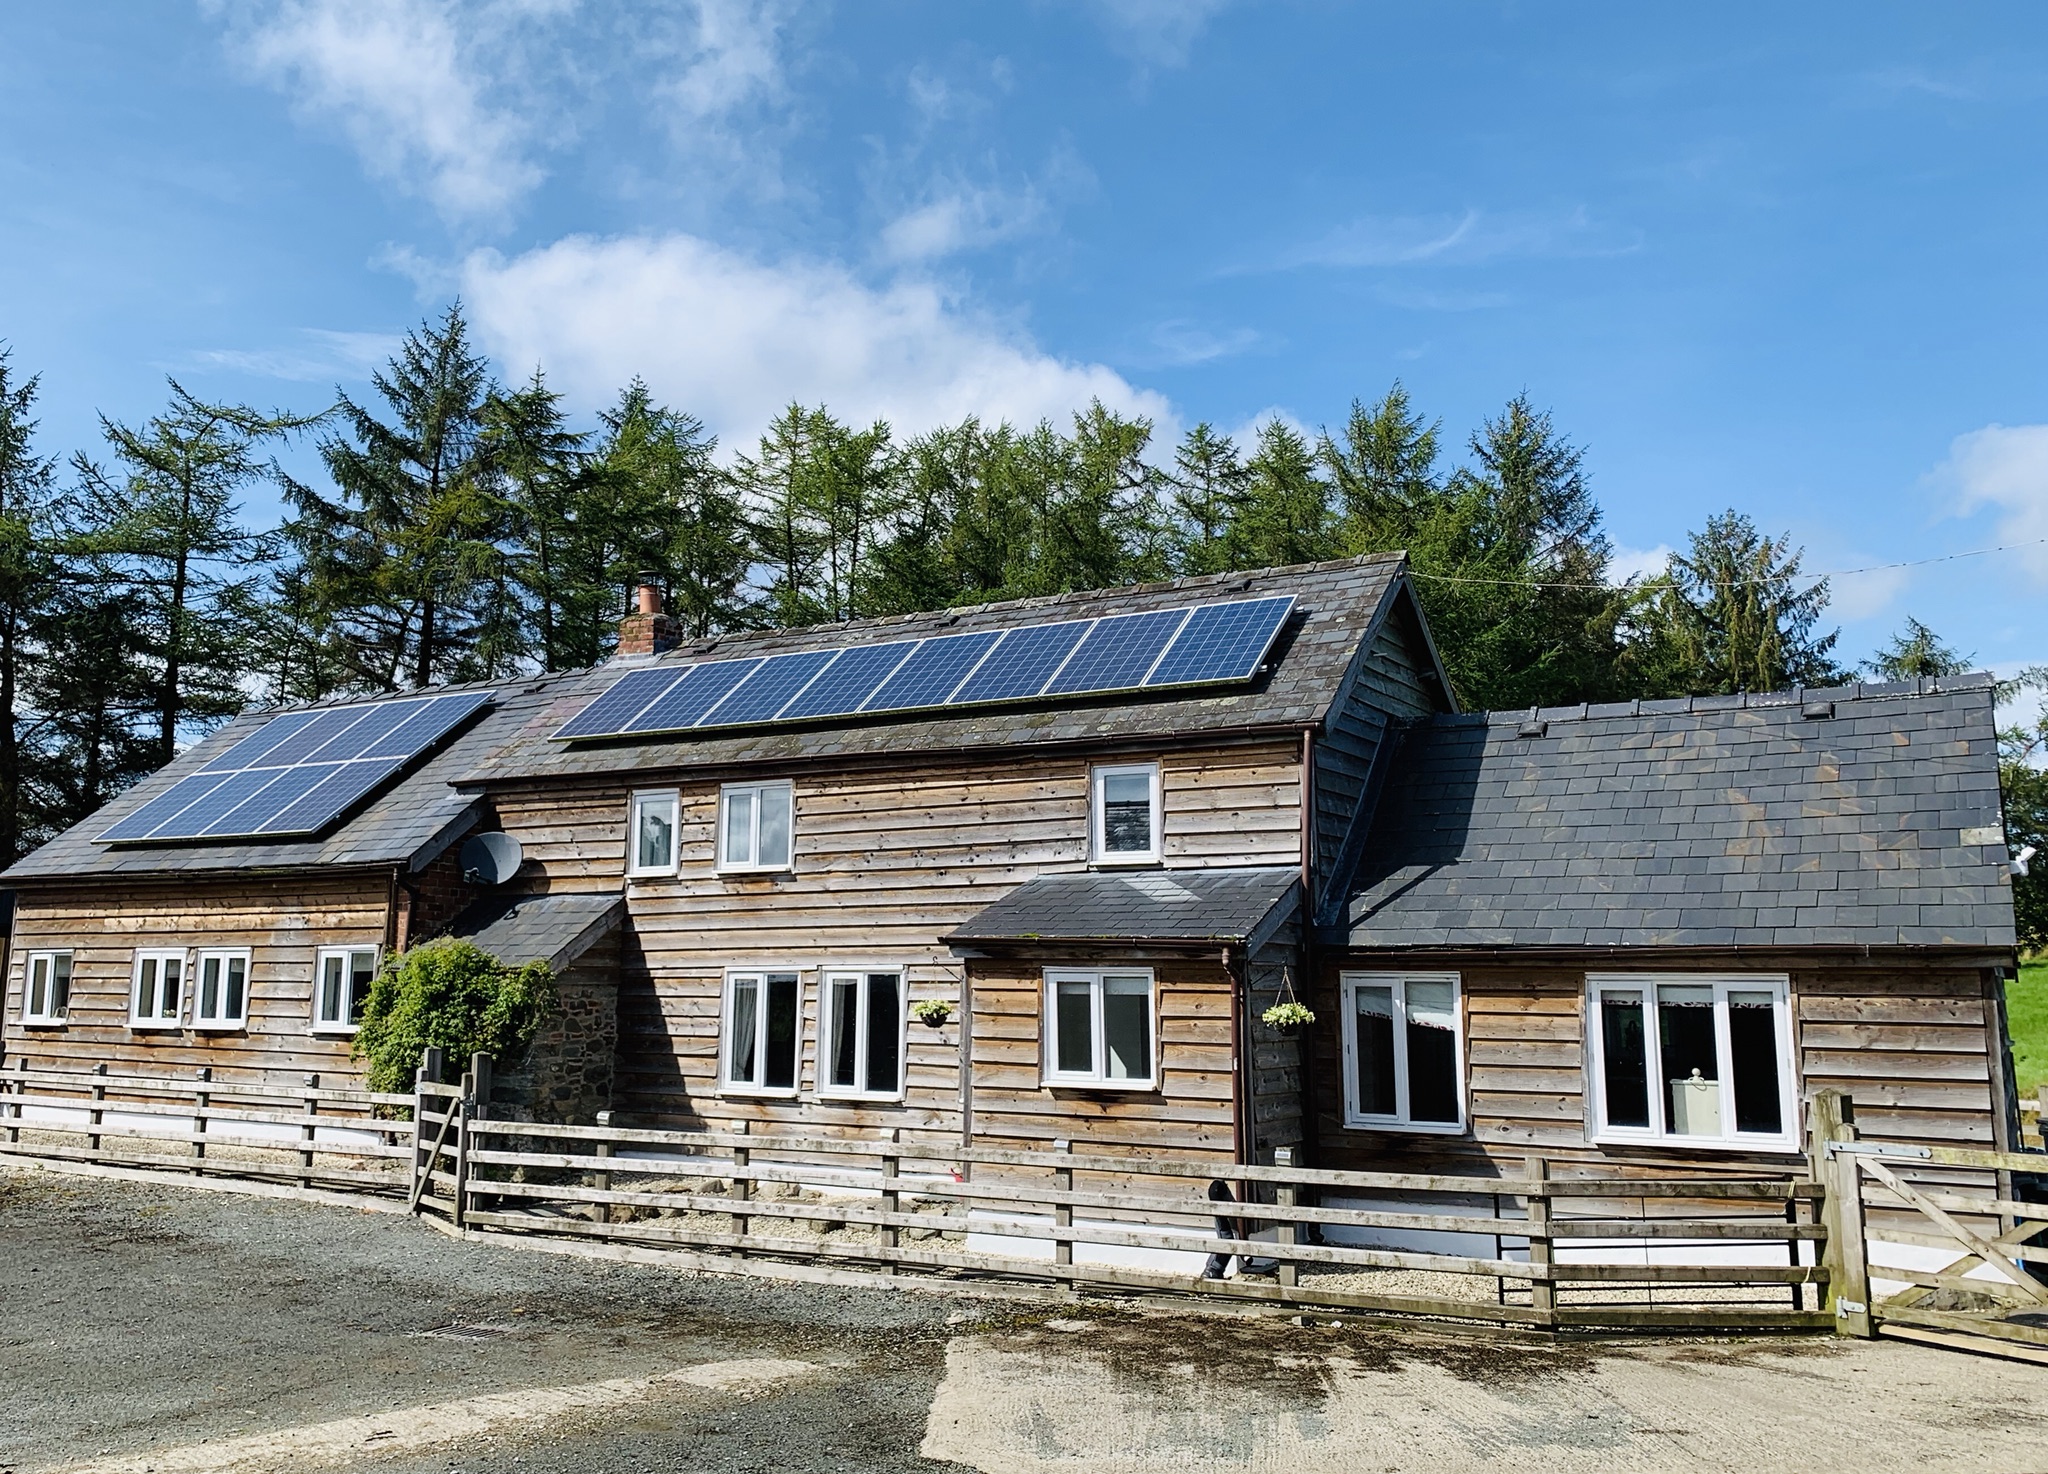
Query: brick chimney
[(646, 630)]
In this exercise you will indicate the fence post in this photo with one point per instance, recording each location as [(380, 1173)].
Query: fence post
[(1846, 1256), (308, 1133), (429, 1074), (891, 1198), (1285, 1271), (99, 1093), (1542, 1292), (20, 1089), (201, 1099), (461, 1109), (742, 1185), (1062, 1210), (602, 1181), (480, 1073)]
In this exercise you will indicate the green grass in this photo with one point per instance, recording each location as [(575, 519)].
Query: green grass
[(2026, 1008)]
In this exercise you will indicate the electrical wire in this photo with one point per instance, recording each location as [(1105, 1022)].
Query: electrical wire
[(1528, 583)]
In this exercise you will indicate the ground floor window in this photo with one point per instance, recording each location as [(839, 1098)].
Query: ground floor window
[(861, 1026), (220, 989), (46, 995), (341, 986), (156, 998), (762, 1031), (1692, 1060), (1404, 1058), (1100, 1029)]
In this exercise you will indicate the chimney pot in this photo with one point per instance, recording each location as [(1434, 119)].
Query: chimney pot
[(647, 599)]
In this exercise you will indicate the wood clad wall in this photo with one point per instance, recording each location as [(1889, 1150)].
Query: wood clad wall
[(1190, 1114), (283, 921), (888, 860), (1911, 1044), (1272, 976)]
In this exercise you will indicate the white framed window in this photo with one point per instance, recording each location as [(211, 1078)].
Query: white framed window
[(861, 1027), (1101, 1029), (220, 988), (1404, 1051), (1123, 819), (754, 824), (759, 1046), (156, 993), (1686, 1059), (651, 833), (341, 986), (46, 988)]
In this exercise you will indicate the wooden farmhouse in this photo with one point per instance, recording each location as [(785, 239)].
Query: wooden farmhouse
[(1107, 832)]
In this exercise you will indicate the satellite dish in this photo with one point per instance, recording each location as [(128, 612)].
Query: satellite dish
[(490, 859)]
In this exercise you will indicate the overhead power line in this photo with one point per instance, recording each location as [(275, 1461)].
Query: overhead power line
[(1530, 583)]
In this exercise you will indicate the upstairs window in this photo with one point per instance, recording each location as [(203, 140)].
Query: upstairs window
[(220, 989), (861, 1025), (1100, 1029), (762, 1018), (653, 834), (156, 999), (46, 992), (1692, 1061), (1124, 814), (1403, 1051), (754, 826), (341, 986)]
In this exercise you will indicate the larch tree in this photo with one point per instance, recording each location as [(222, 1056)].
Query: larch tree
[(1206, 488), (29, 513)]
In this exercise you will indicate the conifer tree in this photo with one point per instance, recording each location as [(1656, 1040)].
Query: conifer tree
[(29, 511), (1207, 487), (1286, 515)]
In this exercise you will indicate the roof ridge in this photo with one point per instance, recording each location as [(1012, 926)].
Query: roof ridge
[(1796, 696)]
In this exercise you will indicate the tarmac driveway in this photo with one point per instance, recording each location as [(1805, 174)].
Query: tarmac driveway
[(160, 1330)]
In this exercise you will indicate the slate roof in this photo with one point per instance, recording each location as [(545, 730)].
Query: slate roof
[(555, 929), (1867, 815), (1152, 905), (1335, 604)]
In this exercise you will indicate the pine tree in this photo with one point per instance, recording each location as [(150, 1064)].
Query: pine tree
[(539, 464), (784, 492), (1916, 652), (1285, 516), (1384, 471), (28, 579), (1208, 486)]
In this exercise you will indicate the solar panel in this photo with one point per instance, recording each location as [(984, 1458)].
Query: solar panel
[(1187, 645), (299, 771), (1118, 652), (1221, 642)]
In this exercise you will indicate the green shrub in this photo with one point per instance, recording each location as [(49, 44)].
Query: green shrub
[(452, 994)]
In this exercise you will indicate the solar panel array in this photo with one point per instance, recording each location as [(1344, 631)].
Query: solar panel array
[(298, 772), (1162, 648)]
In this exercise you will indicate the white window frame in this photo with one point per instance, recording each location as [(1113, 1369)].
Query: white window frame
[(862, 1021), (1097, 1078), (1403, 1118), (223, 1023), (46, 1017), (159, 1019), (729, 866), (667, 799), (726, 1084), (342, 1026), (1098, 829), (1658, 1132)]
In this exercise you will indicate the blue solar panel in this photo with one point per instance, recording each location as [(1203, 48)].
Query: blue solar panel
[(768, 689), (1023, 662), (251, 749), (166, 806), (310, 738), (928, 677), (424, 727), (623, 700), (687, 701), (1118, 652), (343, 784), (378, 722), (849, 680), (210, 813), (1222, 642)]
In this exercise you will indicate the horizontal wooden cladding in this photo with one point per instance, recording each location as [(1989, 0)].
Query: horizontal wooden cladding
[(283, 921)]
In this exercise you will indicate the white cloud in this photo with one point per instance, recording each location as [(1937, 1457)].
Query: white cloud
[(405, 81), (1855, 596), (734, 339), (727, 89), (1472, 238), (1160, 32), (960, 219), (2004, 466), (326, 356), (1628, 563)]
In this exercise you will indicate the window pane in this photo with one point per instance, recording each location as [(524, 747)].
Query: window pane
[(1074, 1028), (145, 991), (1432, 1052), (332, 973), (1127, 1027), (1127, 813), (885, 1032), (174, 974), (845, 1002), (38, 986), (774, 844), (1623, 1064), (1753, 1061), (1692, 1073), (362, 971), (657, 837), (778, 1067), (739, 828), (237, 1005), (1372, 1024), (746, 1007), (60, 985), (209, 987)]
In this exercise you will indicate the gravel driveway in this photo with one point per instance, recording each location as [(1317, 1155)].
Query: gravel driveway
[(163, 1330)]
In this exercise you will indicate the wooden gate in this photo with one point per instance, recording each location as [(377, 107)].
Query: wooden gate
[(441, 1118)]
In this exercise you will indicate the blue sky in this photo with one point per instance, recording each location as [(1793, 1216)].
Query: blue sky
[(1785, 259)]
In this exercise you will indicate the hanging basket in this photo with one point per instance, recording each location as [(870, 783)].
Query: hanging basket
[(933, 1013), (1288, 1015)]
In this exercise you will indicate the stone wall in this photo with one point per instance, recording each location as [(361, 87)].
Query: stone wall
[(567, 1074)]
